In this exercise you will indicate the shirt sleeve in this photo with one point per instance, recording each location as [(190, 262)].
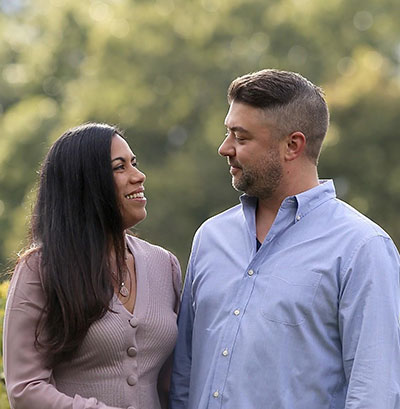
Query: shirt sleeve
[(177, 280), (369, 314), (180, 381), (164, 377), (28, 380)]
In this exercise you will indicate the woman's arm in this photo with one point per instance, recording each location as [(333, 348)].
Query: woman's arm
[(164, 378), (28, 380)]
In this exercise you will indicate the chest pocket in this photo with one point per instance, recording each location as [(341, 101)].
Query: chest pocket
[(289, 296)]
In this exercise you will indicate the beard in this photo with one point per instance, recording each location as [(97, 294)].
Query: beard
[(260, 179)]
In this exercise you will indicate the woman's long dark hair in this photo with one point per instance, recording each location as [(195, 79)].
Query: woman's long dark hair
[(76, 224)]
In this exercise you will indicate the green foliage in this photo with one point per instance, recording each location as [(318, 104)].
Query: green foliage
[(160, 68), (3, 294), (3, 397)]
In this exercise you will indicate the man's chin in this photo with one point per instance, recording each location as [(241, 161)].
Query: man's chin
[(238, 186)]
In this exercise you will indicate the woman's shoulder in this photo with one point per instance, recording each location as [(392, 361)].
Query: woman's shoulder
[(26, 280), (154, 252), (162, 260), (146, 247), (29, 262)]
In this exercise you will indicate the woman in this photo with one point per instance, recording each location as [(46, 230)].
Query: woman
[(91, 313)]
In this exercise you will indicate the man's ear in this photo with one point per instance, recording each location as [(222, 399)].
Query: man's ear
[(295, 145)]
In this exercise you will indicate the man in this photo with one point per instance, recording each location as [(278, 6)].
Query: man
[(291, 298)]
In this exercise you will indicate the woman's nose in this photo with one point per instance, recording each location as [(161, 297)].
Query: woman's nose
[(137, 176)]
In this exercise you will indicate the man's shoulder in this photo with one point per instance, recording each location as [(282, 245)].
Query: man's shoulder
[(357, 222), (222, 218)]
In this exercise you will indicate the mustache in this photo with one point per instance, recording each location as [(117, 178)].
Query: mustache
[(234, 164)]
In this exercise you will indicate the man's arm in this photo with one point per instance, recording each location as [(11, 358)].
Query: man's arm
[(369, 311), (180, 381)]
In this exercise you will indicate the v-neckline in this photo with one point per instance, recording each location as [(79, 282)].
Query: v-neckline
[(140, 286)]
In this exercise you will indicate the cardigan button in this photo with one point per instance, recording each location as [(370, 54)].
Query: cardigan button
[(132, 351), (131, 407), (134, 322), (132, 380)]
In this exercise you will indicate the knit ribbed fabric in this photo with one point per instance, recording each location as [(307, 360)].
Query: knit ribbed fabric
[(121, 356)]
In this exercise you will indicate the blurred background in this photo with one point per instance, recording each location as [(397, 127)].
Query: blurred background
[(159, 69)]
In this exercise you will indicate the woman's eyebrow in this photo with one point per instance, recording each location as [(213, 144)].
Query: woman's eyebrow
[(122, 159)]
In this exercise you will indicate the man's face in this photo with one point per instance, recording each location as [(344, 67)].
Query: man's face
[(253, 152)]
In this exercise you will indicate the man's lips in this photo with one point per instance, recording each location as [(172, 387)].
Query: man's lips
[(234, 165), (234, 168)]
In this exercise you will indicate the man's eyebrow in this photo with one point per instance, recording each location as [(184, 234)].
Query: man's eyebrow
[(237, 129), (123, 159)]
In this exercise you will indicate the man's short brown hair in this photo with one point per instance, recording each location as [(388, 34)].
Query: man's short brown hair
[(294, 103)]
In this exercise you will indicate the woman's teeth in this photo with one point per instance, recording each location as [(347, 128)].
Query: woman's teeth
[(135, 196)]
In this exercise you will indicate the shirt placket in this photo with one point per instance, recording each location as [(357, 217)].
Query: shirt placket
[(232, 325), (236, 314)]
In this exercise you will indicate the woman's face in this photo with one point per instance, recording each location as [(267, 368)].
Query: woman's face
[(128, 182)]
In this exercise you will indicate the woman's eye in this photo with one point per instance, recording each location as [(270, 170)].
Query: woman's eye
[(119, 167)]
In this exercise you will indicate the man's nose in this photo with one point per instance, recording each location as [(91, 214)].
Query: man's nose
[(226, 148)]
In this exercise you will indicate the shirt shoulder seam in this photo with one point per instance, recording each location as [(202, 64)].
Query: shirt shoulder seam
[(362, 243)]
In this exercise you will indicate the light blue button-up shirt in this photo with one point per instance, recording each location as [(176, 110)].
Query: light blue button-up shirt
[(309, 321)]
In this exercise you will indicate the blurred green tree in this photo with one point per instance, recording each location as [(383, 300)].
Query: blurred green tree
[(3, 293), (160, 69)]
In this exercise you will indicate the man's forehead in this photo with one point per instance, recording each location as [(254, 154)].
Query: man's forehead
[(242, 116)]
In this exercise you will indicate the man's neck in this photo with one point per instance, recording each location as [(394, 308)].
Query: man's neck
[(265, 217), (267, 208)]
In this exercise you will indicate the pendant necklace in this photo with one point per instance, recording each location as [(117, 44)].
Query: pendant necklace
[(123, 289)]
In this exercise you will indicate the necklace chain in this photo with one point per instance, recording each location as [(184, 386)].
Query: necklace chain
[(123, 289)]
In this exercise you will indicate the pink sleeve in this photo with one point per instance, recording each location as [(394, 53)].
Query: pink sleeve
[(177, 279), (27, 378), (164, 377)]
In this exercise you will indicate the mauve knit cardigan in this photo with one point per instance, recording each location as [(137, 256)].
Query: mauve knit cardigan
[(123, 360)]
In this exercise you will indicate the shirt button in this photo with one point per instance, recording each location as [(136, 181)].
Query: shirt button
[(134, 322), (132, 351), (298, 217), (216, 394), (225, 352), (236, 312), (132, 380), (250, 272)]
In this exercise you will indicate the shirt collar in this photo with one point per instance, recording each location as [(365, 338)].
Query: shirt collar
[(312, 198), (305, 201)]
